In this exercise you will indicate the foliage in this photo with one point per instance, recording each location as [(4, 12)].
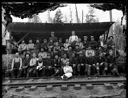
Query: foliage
[(58, 17), (90, 17)]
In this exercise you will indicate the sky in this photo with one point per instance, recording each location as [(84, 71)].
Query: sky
[(103, 16)]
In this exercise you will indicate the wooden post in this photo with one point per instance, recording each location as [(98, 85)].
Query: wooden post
[(78, 21), (110, 13), (82, 16)]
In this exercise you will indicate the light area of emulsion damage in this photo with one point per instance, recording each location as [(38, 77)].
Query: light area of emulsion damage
[(5, 33), (116, 30)]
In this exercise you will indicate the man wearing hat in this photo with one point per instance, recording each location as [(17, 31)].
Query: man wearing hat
[(93, 44)]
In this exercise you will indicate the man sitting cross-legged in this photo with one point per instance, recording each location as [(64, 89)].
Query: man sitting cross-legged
[(67, 71), (26, 61)]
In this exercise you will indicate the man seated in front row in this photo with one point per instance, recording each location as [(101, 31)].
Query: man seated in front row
[(67, 71), (16, 66), (32, 66), (40, 67), (26, 61), (90, 56), (48, 63)]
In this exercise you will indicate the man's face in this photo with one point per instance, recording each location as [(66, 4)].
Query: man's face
[(62, 48), (37, 41), (79, 39), (101, 38), (42, 49), (51, 41), (60, 40), (73, 32), (101, 54), (111, 38), (34, 55), (17, 54), (49, 49), (92, 38), (48, 56), (73, 55), (66, 40), (45, 41), (89, 48), (56, 56), (85, 38), (22, 42), (40, 58), (80, 54), (65, 55), (77, 47), (56, 43), (30, 41), (52, 34), (70, 48), (110, 52), (27, 56)]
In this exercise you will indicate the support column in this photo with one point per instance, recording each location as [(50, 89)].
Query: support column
[(110, 13)]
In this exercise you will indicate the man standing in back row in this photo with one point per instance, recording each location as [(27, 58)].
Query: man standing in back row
[(73, 39), (53, 37)]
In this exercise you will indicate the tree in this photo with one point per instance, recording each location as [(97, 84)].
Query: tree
[(49, 17), (90, 17), (58, 17), (35, 19)]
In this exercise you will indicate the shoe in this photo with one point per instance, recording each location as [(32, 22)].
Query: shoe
[(61, 77)]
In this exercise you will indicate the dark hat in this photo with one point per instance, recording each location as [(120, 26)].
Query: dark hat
[(76, 45), (52, 32), (61, 46), (69, 46)]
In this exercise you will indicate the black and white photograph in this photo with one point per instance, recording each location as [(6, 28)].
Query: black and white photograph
[(63, 50)]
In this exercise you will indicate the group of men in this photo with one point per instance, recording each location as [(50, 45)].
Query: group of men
[(73, 57)]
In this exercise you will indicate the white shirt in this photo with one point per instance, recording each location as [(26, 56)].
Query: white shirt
[(66, 46), (101, 43), (73, 38), (33, 61), (22, 46), (30, 46), (39, 65), (67, 69), (90, 53)]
